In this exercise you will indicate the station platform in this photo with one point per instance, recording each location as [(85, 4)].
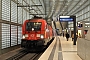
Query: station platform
[(61, 49)]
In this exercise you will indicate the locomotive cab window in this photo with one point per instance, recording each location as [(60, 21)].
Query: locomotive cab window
[(33, 26)]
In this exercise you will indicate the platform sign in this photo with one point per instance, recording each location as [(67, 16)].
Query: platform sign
[(66, 19), (69, 19)]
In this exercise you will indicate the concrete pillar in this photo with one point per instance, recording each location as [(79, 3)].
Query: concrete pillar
[(0, 26), (83, 35)]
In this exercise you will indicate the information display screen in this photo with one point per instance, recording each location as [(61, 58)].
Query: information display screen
[(66, 19)]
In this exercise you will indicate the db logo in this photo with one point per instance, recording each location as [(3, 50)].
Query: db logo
[(32, 35)]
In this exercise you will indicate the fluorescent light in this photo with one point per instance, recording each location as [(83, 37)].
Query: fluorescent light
[(85, 26), (64, 16), (68, 28), (87, 23), (78, 22)]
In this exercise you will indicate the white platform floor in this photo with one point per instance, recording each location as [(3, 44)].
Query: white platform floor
[(69, 51)]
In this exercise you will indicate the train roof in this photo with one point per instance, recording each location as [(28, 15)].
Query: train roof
[(34, 20), (37, 19)]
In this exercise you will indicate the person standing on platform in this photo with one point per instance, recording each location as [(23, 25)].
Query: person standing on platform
[(63, 34), (72, 37), (79, 35), (67, 36), (76, 36)]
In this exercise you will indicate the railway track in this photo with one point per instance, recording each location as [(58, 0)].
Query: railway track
[(26, 55), (18, 55), (22, 56), (35, 56)]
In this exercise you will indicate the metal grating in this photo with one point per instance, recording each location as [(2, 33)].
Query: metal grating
[(19, 34), (83, 14), (5, 35), (28, 15), (24, 15), (6, 10), (13, 12), (20, 1), (13, 35), (0, 9), (19, 15)]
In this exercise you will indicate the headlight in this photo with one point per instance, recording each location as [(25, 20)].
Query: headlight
[(42, 36), (24, 36)]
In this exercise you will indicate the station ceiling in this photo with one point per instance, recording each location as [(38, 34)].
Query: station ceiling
[(54, 8)]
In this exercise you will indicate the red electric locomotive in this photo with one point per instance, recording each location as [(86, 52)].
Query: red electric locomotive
[(36, 32)]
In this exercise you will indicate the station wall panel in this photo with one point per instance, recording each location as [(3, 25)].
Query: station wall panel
[(5, 35), (11, 19), (19, 34), (13, 12), (24, 15), (13, 35), (19, 15), (28, 16), (83, 14), (6, 10), (0, 9)]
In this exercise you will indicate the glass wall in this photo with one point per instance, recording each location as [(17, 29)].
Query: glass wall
[(19, 34), (6, 10), (13, 35), (82, 14), (5, 35), (12, 17)]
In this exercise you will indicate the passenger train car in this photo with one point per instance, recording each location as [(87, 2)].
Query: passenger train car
[(36, 32)]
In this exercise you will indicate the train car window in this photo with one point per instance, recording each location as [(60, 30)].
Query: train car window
[(30, 26), (47, 28), (37, 26)]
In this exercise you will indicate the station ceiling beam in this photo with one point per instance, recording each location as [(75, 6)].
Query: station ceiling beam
[(23, 6), (28, 5), (36, 5), (37, 14)]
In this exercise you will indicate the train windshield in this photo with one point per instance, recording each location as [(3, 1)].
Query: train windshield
[(33, 26)]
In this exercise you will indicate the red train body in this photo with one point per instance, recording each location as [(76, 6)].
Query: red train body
[(36, 32)]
